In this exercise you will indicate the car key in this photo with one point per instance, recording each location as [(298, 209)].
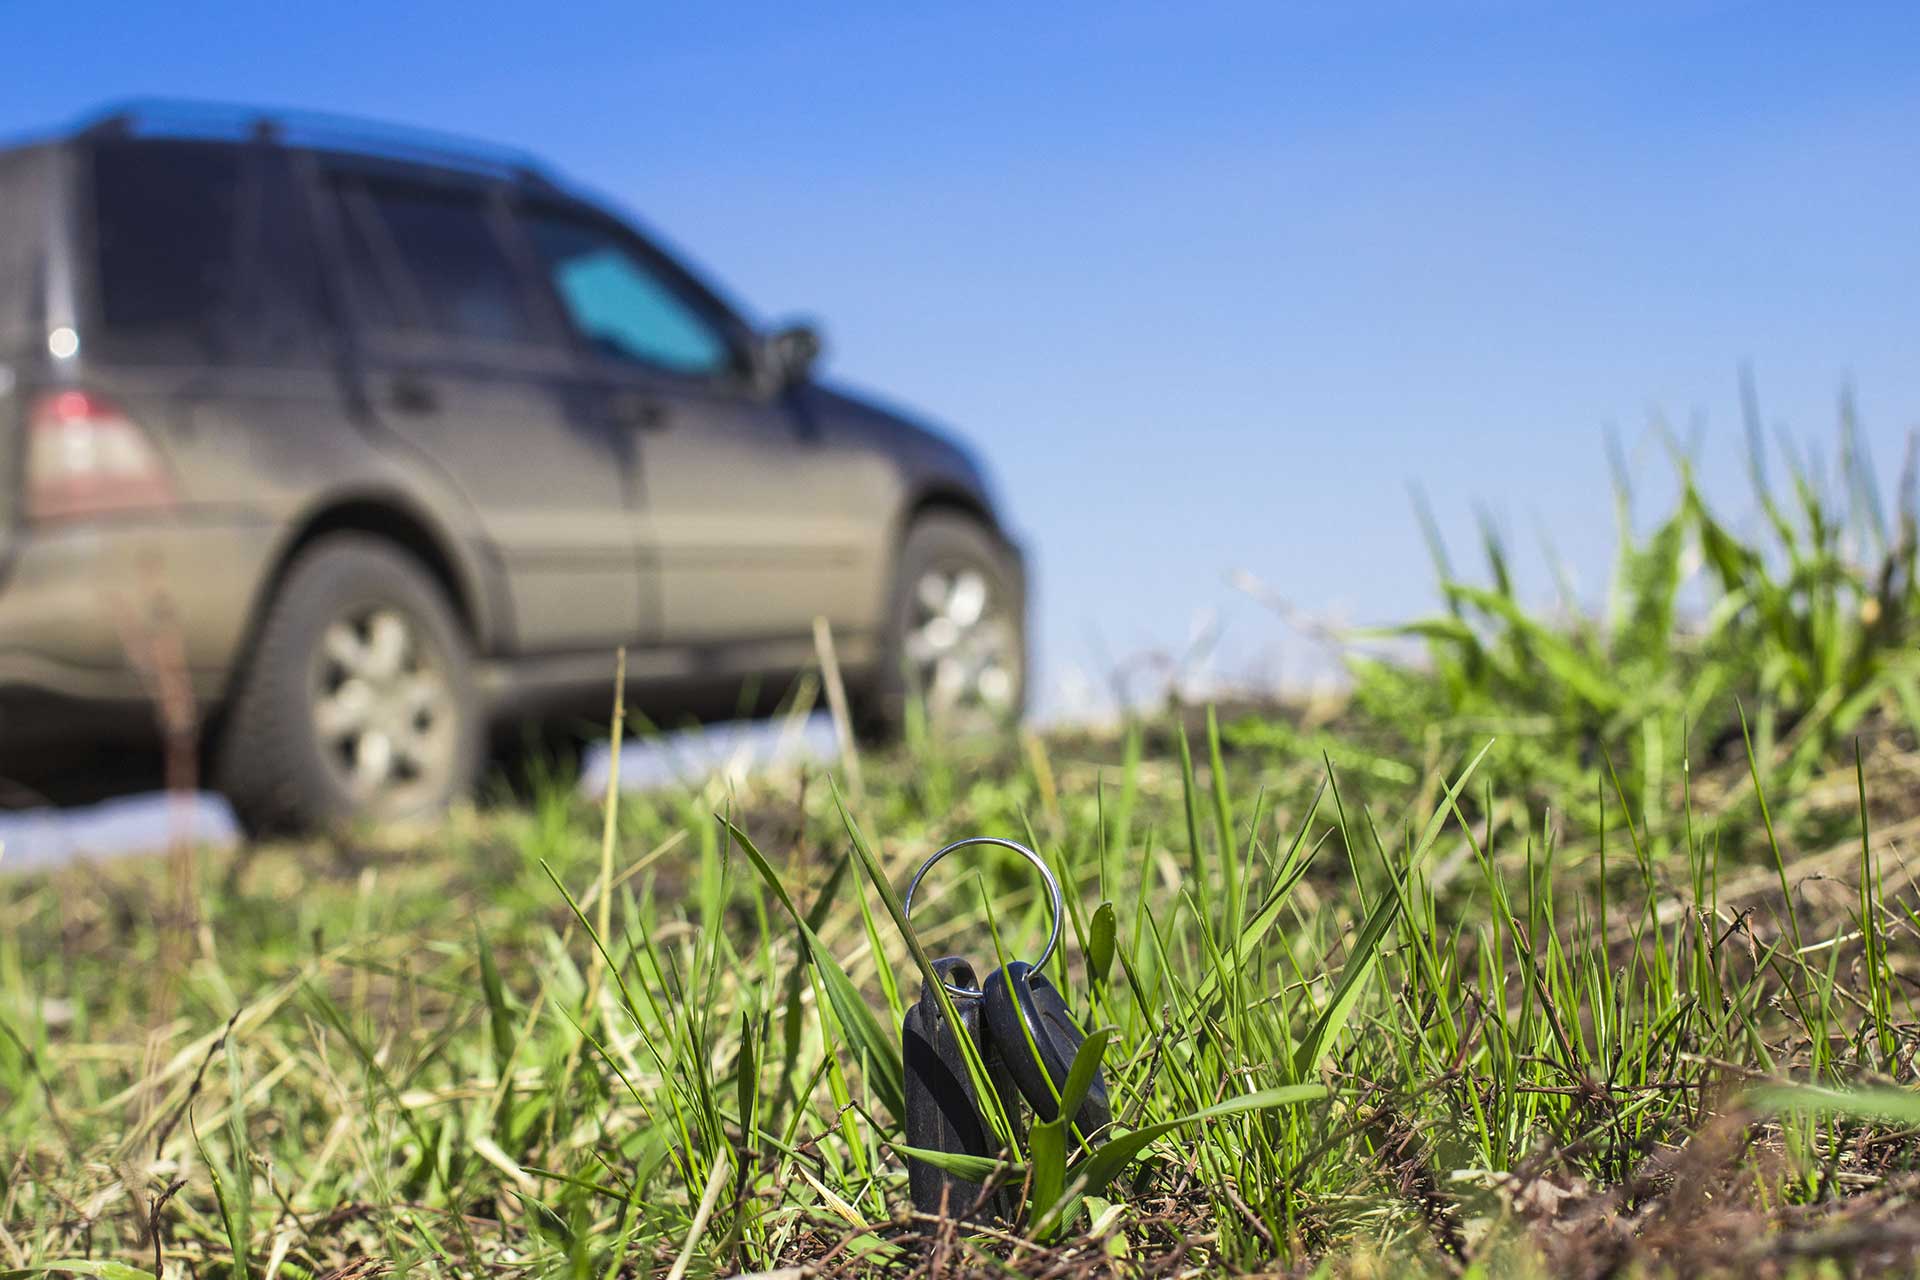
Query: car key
[(1026, 1036), (943, 1107), (1038, 1038)]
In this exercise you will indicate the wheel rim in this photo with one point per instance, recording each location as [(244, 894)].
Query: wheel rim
[(384, 715), (962, 647)]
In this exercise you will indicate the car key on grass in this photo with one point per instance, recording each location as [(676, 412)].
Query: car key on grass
[(943, 1106), (1026, 1039)]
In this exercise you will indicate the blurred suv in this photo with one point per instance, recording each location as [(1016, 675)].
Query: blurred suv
[(360, 444)]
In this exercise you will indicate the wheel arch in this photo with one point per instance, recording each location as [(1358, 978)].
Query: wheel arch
[(956, 500), (947, 499), (396, 520), (934, 498)]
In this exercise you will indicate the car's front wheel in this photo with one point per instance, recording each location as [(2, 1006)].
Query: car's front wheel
[(357, 700), (955, 633)]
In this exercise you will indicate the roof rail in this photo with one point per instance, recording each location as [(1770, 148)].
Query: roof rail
[(319, 130)]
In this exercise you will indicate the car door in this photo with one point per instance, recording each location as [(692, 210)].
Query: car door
[(463, 363), (752, 519)]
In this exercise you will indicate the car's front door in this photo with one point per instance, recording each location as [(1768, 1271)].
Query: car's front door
[(462, 362), (751, 517)]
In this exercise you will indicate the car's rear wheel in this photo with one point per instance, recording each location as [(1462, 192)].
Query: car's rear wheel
[(955, 636), (357, 700)]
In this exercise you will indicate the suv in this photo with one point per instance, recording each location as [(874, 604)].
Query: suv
[(364, 445)]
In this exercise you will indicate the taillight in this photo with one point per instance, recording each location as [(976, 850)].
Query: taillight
[(85, 457)]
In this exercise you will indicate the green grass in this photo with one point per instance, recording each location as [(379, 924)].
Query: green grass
[(1579, 946)]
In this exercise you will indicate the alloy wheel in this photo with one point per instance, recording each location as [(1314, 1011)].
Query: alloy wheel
[(962, 648), (383, 712)]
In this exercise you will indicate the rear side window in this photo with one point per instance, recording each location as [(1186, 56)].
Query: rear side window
[(439, 250), (164, 222), (204, 253)]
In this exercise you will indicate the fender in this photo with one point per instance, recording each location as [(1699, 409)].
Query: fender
[(463, 569)]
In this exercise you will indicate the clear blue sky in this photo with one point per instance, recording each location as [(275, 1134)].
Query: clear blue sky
[(1209, 283)]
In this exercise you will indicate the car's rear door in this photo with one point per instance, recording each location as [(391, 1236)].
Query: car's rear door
[(752, 518), (463, 362)]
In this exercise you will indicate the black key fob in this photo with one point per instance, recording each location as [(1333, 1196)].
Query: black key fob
[(1020, 1003), (943, 1110)]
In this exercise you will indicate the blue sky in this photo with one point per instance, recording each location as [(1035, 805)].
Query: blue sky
[(1209, 284)]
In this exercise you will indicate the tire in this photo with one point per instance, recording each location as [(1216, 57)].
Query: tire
[(986, 695), (359, 648)]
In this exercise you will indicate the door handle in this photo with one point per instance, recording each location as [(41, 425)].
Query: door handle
[(637, 410), (411, 394)]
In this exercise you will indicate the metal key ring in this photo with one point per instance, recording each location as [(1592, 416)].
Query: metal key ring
[(1046, 873)]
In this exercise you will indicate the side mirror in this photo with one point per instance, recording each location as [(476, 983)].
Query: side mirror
[(787, 356)]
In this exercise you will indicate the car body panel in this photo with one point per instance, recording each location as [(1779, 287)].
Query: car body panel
[(755, 520), (110, 610), (546, 484), (31, 213)]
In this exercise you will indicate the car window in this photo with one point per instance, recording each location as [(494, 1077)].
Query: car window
[(444, 243), (204, 252), (619, 304), (280, 307), (372, 286), (164, 221)]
